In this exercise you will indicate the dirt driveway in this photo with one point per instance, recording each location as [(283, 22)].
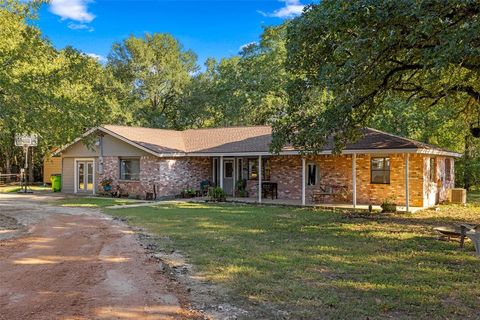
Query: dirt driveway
[(76, 263)]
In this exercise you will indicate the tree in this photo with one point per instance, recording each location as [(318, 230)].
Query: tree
[(350, 58), (246, 89), (152, 73), (55, 94)]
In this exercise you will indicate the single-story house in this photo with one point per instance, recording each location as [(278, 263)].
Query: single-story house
[(379, 167)]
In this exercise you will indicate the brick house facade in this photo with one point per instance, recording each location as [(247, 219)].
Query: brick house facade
[(175, 160), (169, 175)]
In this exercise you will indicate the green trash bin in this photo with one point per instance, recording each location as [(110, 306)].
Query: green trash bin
[(56, 180)]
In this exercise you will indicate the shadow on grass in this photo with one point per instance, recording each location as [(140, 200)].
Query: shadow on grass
[(313, 264)]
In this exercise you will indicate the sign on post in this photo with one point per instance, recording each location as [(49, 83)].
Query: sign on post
[(26, 140)]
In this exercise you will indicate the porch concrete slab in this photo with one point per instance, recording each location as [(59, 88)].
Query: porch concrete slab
[(278, 202), (329, 206)]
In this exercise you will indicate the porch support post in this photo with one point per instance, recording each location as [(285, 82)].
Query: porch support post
[(303, 180), (407, 196), (234, 176), (221, 172), (260, 179), (354, 180)]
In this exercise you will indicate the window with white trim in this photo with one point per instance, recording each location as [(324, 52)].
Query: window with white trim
[(380, 170), (130, 169)]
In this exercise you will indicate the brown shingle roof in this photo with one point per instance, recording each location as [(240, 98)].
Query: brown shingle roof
[(157, 140), (230, 139), (376, 139), (244, 139)]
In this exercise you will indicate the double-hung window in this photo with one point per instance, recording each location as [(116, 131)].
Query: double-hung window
[(380, 170), (130, 169)]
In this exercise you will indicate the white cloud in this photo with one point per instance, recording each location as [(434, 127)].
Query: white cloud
[(99, 58), (80, 26), (76, 10), (291, 9), (246, 45)]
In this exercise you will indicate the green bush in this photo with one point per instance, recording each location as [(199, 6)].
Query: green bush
[(389, 205), (188, 193), (241, 187), (217, 194)]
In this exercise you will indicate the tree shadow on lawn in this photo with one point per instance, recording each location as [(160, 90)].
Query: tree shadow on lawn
[(314, 264)]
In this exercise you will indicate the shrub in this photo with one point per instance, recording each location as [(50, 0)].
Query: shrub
[(188, 193), (241, 187), (217, 194), (388, 205)]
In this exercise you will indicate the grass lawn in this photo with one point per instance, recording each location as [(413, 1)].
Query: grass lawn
[(316, 264), (92, 202), (12, 189)]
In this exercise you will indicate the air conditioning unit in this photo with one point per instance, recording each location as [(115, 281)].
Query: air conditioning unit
[(458, 195)]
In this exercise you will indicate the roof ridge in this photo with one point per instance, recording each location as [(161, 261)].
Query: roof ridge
[(139, 127), (229, 127)]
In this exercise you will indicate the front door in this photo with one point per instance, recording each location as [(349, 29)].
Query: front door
[(85, 176), (228, 183)]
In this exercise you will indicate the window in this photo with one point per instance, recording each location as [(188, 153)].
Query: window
[(129, 169), (253, 169), (432, 170), (380, 170), (448, 169), (228, 169), (312, 174)]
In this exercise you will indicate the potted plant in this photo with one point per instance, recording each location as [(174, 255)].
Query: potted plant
[(106, 183), (217, 194), (241, 187)]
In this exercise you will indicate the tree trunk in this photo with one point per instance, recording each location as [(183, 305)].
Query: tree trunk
[(8, 168), (467, 174)]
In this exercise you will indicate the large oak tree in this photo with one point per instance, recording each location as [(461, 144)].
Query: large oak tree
[(351, 58)]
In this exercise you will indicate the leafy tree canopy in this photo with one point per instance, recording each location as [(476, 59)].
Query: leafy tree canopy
[(55, 94), (351, 58), (153, 72)]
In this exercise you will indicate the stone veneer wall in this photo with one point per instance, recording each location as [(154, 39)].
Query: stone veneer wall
[(170, 175)]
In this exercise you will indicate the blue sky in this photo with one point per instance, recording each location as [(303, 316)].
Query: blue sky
[(210, 28)]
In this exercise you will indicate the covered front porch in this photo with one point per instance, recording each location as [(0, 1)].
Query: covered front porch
[(330, 181)]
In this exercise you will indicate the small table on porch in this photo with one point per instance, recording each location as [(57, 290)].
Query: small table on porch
[(270, 188)]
